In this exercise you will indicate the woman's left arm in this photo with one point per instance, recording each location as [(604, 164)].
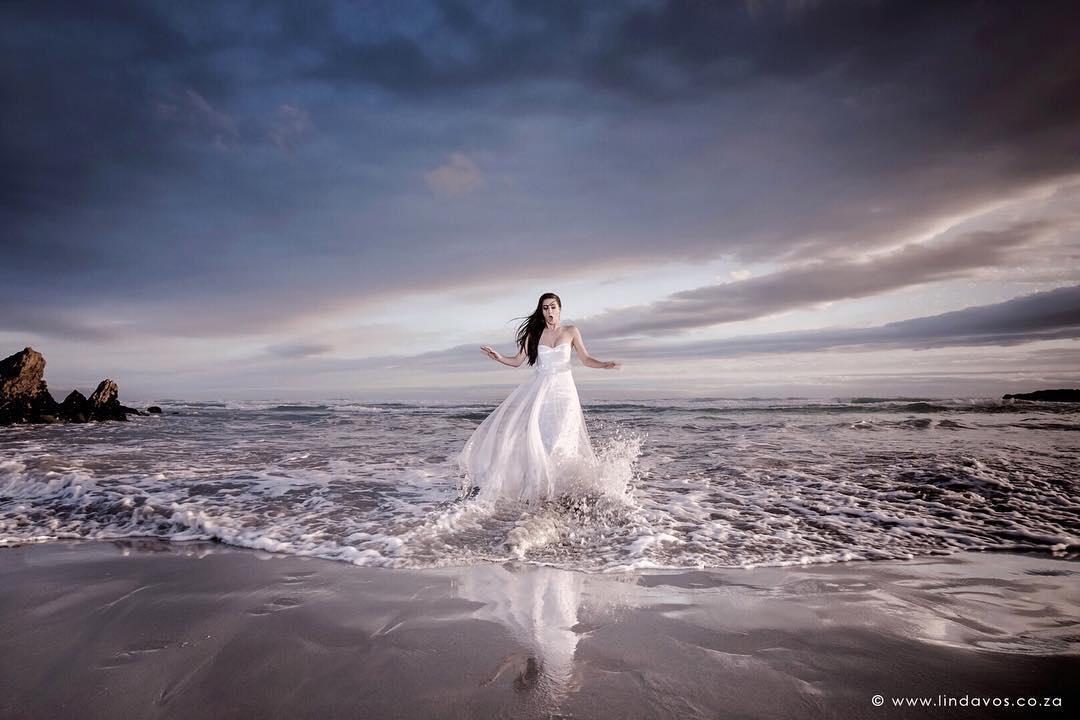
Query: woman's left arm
[(586, 359)]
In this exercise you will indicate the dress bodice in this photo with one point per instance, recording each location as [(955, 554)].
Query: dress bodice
[(553, 360)]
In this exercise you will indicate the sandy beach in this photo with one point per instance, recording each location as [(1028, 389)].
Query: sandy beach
[(151, 629)]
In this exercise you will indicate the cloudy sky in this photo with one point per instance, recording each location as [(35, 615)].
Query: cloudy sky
[(272, 199)]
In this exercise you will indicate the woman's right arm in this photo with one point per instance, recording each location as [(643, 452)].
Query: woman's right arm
[(511, 361)]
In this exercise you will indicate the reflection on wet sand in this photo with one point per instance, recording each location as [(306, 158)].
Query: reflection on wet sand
[(540, 608)]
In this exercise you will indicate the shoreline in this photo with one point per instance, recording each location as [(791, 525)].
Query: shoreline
[(149, 628)]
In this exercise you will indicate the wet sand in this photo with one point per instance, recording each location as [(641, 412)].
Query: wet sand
[(152, 629)]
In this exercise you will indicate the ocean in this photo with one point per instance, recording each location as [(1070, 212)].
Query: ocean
[(699, 483)]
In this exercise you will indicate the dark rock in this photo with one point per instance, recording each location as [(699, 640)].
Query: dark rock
[(24, 395), (105, 402), (42, 402), (75, 408), (21, 373), (154, 410), (1061, 395), (106, 394)]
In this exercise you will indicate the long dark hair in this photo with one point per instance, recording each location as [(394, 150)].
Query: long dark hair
[(528, 334)]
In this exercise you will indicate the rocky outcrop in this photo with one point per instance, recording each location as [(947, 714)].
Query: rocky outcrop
[(75, 407), (1061, 395), (105, 403), (21, 374), (25, 397)]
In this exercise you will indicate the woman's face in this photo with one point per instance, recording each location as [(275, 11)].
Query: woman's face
[(551, 310)]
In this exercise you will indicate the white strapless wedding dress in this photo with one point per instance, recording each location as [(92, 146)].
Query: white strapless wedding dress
[(534, 446)]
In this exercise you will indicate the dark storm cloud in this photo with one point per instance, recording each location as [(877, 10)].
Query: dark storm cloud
[(78, 90), (820, 282), (229, 168), (673, 51), (472, 45)]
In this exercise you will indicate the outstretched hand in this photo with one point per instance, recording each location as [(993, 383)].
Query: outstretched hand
[(491, 352), (612, 365)]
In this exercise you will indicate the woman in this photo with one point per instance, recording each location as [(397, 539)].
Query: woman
[(535, 444)]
